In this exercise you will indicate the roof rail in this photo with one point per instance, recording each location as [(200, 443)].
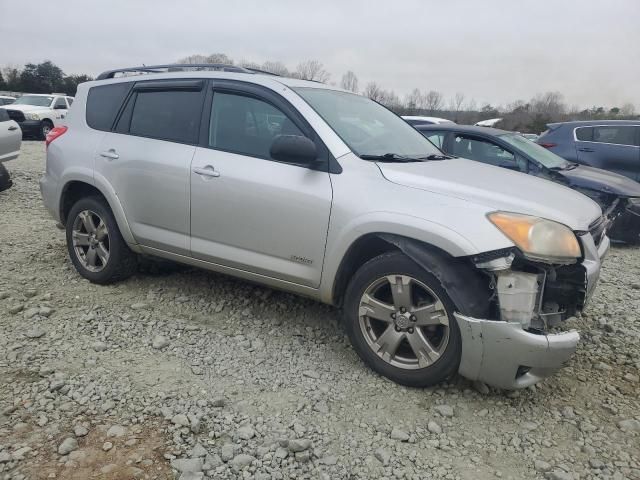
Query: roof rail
[(177, 67)]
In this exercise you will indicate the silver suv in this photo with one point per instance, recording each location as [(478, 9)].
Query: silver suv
[(440, 264)]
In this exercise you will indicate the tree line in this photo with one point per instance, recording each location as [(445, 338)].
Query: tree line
[(45, 77), (522, 115)]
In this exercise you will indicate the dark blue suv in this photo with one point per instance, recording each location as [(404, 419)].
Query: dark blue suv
[(612, 145)]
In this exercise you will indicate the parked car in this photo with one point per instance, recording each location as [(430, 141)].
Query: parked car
[(439, 264), (416, 120), (618, 196), (37, 114), (10, 140), (608, 144), (6, 100)]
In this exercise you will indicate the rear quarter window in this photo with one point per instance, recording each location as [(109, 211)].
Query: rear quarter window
[(103, 103), (584, 134)]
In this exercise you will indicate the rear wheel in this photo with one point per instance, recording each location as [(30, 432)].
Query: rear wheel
[(400, 321), (45, 127), (5, 178), (95, 244)]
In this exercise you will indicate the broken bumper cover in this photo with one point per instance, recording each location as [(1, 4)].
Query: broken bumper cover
[(503, 355)]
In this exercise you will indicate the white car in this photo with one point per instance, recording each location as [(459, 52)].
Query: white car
[(38, 114), (418, 120), (6, 100), (10, 140)]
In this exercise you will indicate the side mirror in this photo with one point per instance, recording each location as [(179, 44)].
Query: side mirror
[(60, 107), (294, 149)]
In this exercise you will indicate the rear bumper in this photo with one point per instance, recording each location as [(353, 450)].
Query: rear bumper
[(503, 355), (49, 191)]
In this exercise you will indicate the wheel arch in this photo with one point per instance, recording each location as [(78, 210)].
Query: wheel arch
[(75, 189), (467, 287)]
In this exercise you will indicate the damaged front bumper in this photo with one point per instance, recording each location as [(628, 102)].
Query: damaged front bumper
[(504, 354)]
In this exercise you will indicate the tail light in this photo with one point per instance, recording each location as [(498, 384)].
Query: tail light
[(55, 133), (547, 145)]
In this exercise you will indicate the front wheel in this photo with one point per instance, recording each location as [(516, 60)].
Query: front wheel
[(95, 244), (400, 321)]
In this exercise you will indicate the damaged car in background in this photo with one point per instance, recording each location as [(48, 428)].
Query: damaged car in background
[(440, 265)]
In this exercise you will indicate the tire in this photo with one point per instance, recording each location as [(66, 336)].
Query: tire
[(91, 227), (432, 331), (45, 127), (5, 178)]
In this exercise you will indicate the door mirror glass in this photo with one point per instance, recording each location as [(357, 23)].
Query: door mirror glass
[(293, 149)]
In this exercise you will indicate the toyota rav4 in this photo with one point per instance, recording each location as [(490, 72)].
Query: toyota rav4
[(439, 264)]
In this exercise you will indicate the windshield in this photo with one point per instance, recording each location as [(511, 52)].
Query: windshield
[(535, 151), (34, 100), (365, 126)]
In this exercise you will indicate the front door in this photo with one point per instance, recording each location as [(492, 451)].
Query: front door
[(249, 211)]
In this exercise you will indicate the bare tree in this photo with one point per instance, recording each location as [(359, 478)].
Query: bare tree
[(628, 109), (194, 59), (249, 64), (415, 100), (433, 101), (312, 70), (549, 104), (278, 68), (373, 91), (349, 82), (389, 99), (213, 58)]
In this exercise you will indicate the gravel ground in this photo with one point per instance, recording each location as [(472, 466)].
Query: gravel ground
[(181, 373)]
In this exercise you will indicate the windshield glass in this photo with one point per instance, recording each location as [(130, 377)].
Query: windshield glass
[(365, 126), (535, 151), (34, 100)]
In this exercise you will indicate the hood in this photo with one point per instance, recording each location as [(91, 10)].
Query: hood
[(496, 188), (25, 108), (600, 180)]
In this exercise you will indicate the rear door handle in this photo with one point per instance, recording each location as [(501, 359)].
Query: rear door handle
[(12, 128), (585, 149), (207, 171), (110, 154)]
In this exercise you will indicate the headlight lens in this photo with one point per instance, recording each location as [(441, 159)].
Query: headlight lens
[(31, 116), (538, 238)]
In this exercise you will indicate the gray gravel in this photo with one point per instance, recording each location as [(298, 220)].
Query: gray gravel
[(180, 373)]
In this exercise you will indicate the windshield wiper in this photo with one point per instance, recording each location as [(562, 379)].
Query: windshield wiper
[(390, 157), (437, 156)]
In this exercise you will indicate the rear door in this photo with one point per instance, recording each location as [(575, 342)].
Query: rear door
[(248, 211), (147, 158), (611, 147)]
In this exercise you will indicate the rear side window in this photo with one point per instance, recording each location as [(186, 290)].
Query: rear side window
[(103, 104), (4, 116), (70, 101), (619, 135), (172, 115), (584, 134)]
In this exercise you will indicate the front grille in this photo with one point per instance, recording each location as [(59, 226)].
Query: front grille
[(597, 230), (16, 115)]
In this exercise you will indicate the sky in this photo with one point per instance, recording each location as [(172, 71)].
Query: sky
[(494, 51)]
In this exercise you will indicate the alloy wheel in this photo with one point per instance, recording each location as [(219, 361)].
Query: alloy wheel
[(404, 322), (91, 240)]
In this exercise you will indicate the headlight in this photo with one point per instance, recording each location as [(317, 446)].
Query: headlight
[(538, 238), (31, 116)]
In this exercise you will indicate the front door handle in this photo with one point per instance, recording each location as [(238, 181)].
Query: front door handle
[(110, 154), (12, 128), (585, 149), (207, 171)]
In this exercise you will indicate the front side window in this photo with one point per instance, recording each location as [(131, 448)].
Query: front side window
[(482, 151), (60, 103), (619, 135), (246, 125), (34, 100), (437, 138), (172, 115), (365, 126)]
